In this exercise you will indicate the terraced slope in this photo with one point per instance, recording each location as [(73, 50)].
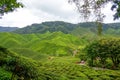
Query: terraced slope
[(56, 43)]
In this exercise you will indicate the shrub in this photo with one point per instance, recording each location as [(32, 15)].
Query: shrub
[(4, 75), (104, 49), (19, 66)]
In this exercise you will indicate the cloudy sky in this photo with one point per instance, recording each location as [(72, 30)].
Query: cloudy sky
[(37, 11)]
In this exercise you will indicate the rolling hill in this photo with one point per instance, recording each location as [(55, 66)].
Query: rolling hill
[(55, 38), (56, 43), (48, 50)]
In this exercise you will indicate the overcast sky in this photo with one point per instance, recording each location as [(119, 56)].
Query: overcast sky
[(37, 11)]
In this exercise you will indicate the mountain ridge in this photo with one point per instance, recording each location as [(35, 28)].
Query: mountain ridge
[(7, 29), (64, 27)]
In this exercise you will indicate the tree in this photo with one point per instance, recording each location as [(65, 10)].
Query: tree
[(105, 49), (7, 6), (89, 8)]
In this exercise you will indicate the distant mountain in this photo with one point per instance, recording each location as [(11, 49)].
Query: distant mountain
[(47, 26), (7, 29), (69, 28)]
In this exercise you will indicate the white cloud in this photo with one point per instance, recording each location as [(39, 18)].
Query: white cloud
[(20, 18), (109, 14), (37, 11)]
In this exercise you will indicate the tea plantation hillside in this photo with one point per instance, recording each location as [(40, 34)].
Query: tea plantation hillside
[(56, 43), (14, 67), (60, 51)]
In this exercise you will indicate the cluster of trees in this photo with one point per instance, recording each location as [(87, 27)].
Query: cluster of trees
[(88, 7), (105, 51)]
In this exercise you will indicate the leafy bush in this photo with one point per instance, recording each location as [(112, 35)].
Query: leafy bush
[(63, 70), (4, 75), (104, 49), (18, 66)]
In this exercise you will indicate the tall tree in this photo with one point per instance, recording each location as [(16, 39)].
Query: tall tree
[(7, 6), (105, 49), (89, 7)]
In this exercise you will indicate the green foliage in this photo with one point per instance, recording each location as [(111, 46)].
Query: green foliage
[(4, 75), (53, 54), (105, 49), (18, 66), (57, 68), (9, 6), (65, 68)]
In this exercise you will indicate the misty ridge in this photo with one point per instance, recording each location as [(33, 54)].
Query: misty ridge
[(65, 27)]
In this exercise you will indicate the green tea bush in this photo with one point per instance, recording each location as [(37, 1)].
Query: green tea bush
[(4, 75), (55, 70), (104, 49), (18, 66), (58, 68)]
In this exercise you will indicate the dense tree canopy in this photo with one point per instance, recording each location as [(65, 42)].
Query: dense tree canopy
[(9, 6), (105, 49)]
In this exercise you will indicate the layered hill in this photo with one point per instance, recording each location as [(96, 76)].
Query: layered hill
[(69, 28), (47, 26), (7, 29), (54, 38), (56, 43)]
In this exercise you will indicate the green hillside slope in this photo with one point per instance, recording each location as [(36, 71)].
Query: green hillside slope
[(56, 43), (16, 67)]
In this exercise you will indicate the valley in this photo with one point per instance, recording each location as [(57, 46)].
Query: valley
[(54, 51)]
